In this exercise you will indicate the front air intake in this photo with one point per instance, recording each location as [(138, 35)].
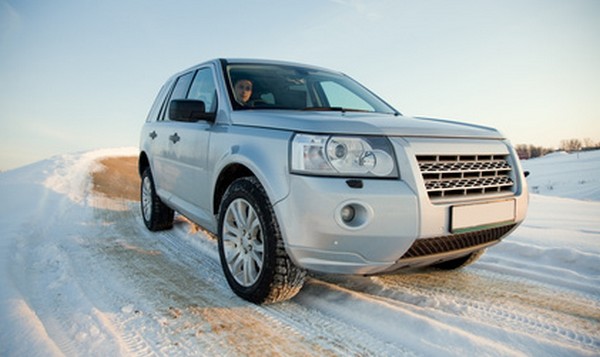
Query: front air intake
[(450, 243)]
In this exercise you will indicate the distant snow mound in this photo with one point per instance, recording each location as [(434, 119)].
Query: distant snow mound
[(575, 175), (553, 155)]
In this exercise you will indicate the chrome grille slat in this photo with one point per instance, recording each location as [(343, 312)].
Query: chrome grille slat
[(464, 175)]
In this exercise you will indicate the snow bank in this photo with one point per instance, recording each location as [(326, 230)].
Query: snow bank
[(70, 174), (32, 196), (575, 175)]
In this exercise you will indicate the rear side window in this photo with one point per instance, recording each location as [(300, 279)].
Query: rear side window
[(155, 111)]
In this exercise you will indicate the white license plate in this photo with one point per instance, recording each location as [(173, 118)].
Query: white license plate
[(478, 216)]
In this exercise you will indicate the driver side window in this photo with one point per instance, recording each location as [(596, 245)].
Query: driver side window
[(179, 92), (203, 88)]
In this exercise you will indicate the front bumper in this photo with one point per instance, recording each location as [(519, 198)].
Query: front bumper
[(392, 216)]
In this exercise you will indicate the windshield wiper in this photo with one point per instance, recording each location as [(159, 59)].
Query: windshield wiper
[(335, 109)]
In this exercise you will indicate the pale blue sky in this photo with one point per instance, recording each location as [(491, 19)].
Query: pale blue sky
[(81, 74)]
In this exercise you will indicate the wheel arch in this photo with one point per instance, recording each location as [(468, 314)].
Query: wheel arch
[(265, 165), (143, 163), (229, 174)]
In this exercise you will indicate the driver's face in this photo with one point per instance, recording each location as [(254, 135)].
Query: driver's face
[(243, 90)]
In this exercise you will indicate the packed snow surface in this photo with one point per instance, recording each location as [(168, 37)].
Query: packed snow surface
[(80, 276)]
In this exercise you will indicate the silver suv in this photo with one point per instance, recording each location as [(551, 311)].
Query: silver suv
[(297, 168)]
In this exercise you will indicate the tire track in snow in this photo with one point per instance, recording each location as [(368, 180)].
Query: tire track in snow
[(55, 262), (497, 300), (102, 281)]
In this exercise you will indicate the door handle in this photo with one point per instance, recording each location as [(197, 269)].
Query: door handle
[(153, 135), (174, 138)]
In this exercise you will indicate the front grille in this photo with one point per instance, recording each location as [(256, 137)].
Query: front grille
[(448, 176), (445, 244)]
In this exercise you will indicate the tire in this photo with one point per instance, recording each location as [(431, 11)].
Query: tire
[(460, 262), (251, 249), (157, 216)]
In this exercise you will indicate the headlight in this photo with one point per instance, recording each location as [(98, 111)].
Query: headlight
[(353, 156)]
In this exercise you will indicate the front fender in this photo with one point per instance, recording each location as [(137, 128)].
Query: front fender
[(264, 152)]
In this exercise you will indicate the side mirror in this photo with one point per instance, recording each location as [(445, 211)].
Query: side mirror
[(189, 110)]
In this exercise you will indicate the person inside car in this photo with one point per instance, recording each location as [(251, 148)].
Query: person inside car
[(243, 90)]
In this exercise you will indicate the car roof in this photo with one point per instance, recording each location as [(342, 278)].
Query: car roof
[(220, 61)]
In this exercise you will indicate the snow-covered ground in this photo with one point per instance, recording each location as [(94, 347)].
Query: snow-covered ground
[(80, 276)]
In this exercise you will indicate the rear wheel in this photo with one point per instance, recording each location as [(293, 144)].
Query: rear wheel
[(460, 262), (157, 216), (253, 257)]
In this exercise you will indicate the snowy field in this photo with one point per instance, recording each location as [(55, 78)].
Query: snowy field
[(81, 276)]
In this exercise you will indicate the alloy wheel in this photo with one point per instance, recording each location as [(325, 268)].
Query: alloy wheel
[(243, 242)]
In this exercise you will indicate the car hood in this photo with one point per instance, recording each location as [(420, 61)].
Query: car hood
[(361, 123)]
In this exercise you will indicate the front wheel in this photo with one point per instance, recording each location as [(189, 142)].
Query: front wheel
[(253, 257)]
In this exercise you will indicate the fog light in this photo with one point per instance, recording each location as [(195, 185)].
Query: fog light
[(347, 213), (353, 215)]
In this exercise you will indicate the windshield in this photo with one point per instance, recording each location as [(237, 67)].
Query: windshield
[(268, 86)]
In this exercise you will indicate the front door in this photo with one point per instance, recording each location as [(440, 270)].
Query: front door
[(187, 149)]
